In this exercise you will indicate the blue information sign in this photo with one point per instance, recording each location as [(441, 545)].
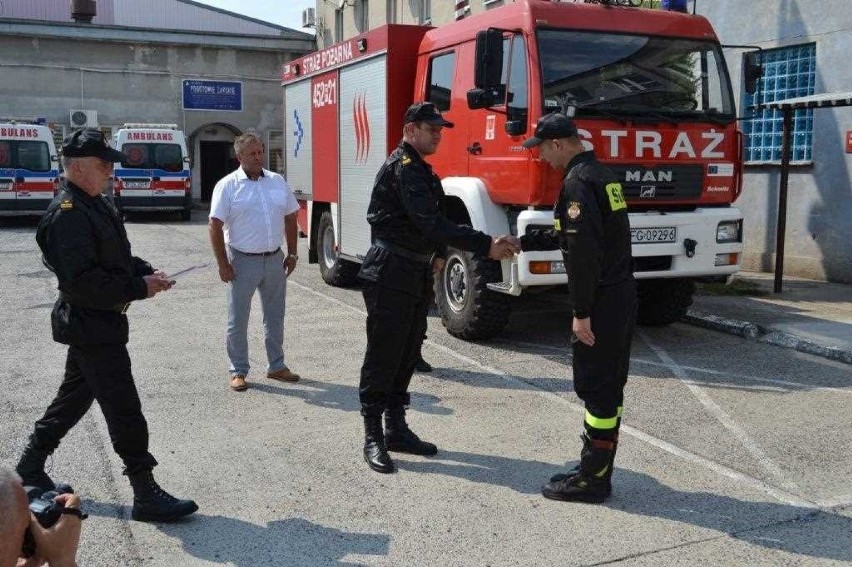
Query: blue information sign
[(212, 95)]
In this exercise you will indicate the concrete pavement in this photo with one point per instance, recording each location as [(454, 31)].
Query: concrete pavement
[(809, 316)]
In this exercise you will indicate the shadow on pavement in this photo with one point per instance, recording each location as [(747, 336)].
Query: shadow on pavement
[(294, 541), (344, 398), (640, 494)]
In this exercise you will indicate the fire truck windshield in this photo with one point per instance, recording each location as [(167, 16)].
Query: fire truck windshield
[(620, 75), (166, 157), (32, 156)]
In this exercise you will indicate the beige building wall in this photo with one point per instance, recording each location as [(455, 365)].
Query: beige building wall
[(337, 20)]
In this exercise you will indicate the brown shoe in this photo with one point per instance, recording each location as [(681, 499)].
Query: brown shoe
[(283, 375), (238, 383)]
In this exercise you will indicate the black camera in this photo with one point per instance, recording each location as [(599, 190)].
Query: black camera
[(45, 509)]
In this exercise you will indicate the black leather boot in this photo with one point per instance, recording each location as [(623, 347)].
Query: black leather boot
[(31, 468), (375, 452), (589, 483), (153, 504), (576, 469), (398, 437)]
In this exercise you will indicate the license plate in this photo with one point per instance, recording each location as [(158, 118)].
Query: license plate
[(5, 185), (137, 184), (653, 235)]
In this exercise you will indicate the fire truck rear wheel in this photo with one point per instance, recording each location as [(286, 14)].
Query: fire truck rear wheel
[(333, 269), (469, 310), (664, 301)]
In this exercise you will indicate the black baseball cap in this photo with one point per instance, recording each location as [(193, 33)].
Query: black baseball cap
[(89, 142), (425, 112), (551, 126)]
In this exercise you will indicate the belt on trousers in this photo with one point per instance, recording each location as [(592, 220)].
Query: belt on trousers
[(118, 308), (405, 253), (270, 253)]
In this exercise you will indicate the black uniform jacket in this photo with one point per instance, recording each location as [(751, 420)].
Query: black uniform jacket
[(406, 210), (83, 241), (591, 227)]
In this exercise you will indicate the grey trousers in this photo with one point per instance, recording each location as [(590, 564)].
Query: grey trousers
[(267, 275)]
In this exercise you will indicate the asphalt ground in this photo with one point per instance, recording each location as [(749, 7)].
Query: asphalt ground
[(732, 452)]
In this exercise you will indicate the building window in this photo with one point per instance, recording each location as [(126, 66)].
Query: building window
[(275, 151), (788, 72), (391, 11), (364, 20), (441, 70), (426, 12), (338, 26)]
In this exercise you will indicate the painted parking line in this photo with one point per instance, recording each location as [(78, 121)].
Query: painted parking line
[(779, 494)]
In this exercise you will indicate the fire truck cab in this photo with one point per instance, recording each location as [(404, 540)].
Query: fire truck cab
[(650, 94), (155, 173), (29, 168)]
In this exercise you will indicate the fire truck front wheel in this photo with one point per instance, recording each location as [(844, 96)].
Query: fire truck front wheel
[(334, 270), (664, 301), (469, 310)]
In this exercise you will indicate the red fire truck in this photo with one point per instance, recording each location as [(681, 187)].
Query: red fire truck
[(650, 93)]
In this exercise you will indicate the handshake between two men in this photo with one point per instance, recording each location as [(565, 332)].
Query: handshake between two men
[(504, 247)]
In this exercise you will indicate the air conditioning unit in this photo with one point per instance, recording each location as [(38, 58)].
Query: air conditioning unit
[(308, 18), (83, 118)]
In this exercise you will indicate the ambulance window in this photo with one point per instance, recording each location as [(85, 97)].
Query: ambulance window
[(33, 156), (5, 154), (441, 69), (136, 155), (168, 157)]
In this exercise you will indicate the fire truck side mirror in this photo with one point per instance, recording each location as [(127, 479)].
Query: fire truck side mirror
[(752, 71), (489, 59), (478, 98)]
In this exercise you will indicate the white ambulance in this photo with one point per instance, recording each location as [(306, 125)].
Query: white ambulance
[(29, 168), (155, 173)]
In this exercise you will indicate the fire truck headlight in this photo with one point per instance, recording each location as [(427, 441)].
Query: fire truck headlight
[(729, 231)]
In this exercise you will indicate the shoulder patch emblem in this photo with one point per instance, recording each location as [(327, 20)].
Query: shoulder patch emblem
[(405, 159), (574, 211), (66, 204)]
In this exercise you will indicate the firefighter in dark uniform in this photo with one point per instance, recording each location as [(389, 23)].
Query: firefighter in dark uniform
[(591, 228), (83, 241), (410, 234)]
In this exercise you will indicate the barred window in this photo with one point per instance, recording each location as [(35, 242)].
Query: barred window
[(788, 72)]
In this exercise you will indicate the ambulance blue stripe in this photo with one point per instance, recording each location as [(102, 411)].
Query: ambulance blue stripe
[(150, 173), (28, 173)]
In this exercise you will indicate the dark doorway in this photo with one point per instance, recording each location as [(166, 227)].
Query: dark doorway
[(216, 163)]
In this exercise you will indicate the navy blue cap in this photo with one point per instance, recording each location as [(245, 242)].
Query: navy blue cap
[(425, 112), (89, 142), (551, 126)]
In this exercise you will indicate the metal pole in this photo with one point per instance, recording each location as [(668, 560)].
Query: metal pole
[(786, 143)]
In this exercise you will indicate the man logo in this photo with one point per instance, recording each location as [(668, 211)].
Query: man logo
[(648, 192)]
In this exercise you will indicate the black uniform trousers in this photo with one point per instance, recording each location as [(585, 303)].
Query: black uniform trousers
[(600, 371), (102, 373), (396, 323)]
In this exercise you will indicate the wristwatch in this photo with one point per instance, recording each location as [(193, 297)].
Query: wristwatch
[(292, 256)]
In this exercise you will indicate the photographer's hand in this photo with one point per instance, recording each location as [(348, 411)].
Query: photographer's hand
[(57, 545)]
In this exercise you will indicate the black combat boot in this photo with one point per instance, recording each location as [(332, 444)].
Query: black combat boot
[(589, 484), (576, 469), (375, 452), (421, 365), (31, 468), (153, 504), (398, 437)]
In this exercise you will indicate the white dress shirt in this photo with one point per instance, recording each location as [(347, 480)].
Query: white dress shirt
[(253, 211)]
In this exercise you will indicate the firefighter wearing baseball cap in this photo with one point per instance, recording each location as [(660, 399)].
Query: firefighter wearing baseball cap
[(410, 235), (591, 228)]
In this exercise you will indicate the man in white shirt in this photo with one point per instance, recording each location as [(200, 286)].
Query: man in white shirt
[(251, 211)]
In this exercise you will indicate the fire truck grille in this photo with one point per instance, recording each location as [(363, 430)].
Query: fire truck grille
[(664, 183)]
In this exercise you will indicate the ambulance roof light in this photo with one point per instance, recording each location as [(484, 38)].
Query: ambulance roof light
[(24, 120), (146, 125)]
